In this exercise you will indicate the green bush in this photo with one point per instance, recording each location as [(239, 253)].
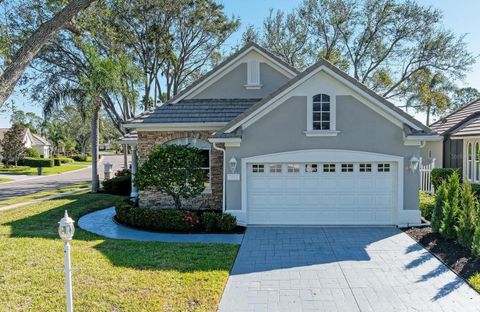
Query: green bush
[(119, 185), (37, 162), (227, 222), (441, 174), (81, 157), (174, 220), (210, 220), (476, 240), (57, 162), (466, 216), (450, 208), (437, 214), (31, 152), (427, 205)]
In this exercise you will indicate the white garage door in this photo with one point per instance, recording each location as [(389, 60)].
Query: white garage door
[(321, 193)]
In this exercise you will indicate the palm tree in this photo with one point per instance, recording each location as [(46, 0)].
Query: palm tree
[(431, 93), (102, 75), (56, 134)]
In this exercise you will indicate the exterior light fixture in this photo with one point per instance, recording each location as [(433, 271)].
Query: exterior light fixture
[(233, 164), (66, 231), (414, 162)]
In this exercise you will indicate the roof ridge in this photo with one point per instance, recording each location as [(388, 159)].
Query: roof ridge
[(442, 119)]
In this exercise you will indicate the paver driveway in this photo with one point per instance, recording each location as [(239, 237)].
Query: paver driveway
[(341, 269)]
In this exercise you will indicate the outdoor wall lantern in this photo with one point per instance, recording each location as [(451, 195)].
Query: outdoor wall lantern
[(414, 162), (66, 231), (233, 164)]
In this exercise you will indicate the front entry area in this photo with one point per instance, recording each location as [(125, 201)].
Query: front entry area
[(352, 189)]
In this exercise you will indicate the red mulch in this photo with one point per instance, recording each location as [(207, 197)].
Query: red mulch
[(459, 259)]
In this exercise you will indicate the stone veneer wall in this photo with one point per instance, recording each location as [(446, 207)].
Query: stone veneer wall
[(149, 139)]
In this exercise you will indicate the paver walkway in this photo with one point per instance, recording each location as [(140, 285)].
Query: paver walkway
[(36, 184), (100, 222), (341, 269)]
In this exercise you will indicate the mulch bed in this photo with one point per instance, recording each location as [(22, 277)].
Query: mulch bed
[(459, 259)]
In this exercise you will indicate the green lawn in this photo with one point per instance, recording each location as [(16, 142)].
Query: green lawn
[(46, 171), (5, 180), (110, 275)]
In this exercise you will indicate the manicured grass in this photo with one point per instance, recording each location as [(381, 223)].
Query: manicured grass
[(24, 170), (39, 195), (110, 275), (5, 180)]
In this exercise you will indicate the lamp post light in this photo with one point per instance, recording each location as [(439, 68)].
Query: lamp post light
[(66, 230)]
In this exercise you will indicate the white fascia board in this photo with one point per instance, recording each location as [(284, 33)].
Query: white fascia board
[(176, 126), (430, 138), (281, 97), (224, 140), (231, 66)]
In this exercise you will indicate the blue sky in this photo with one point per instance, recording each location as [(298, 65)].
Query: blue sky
[(459, 17)]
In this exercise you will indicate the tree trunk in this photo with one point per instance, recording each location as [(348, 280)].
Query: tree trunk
[(95, 135), (428, 116), (24, 56), (177, 201)]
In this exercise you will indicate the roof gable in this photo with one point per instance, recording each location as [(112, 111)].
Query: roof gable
[(230, 63), (454, 120), (387, 108)]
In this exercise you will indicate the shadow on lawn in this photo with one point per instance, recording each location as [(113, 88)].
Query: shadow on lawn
[(131, 254)]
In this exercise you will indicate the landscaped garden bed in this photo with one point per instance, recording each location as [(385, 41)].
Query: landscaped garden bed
[(459, 259)]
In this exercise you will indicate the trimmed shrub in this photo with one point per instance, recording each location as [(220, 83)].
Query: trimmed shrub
[(466, 217), (437, 214), (442, 174), (81, 157), (210, 220), (450, 208), (37, 162), (174, 220), (119, 185), (31, 152), (427, 205), (227, 222), (65, 160), (57, 162), (476, 239)]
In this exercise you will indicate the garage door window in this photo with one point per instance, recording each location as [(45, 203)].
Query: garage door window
[(293, 168), (383, 167), (310, 168), (365, 168), (347, 167), (258, 168), (328, 167), (275, 168)]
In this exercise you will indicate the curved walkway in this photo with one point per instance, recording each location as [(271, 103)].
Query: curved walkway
[(101, 222)]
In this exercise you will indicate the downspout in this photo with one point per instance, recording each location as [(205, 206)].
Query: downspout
[(224, 168)]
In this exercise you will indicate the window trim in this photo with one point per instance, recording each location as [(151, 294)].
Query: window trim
[(333, 116)]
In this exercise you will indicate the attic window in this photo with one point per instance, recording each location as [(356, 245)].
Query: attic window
[(253, 75)]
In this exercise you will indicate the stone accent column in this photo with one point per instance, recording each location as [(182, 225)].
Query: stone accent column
[(134, 193)]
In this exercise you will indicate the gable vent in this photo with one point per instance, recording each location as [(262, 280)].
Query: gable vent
[(253, 75)]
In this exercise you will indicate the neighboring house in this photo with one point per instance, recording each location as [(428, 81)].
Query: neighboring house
[(285, 147), (30, 139), (460, 147)]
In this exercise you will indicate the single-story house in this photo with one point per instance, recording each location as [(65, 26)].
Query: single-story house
[(460, 147), (39, 143), (286, 147)]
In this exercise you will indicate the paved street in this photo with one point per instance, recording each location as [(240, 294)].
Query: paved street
[(38, 184), (341, 269)]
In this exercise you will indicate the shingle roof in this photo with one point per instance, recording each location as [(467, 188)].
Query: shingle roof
[(454, 120), (38, 140), (196, 110), (469, 128), (425, 130)]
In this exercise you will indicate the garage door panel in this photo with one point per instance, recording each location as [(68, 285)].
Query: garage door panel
[(322, 197)]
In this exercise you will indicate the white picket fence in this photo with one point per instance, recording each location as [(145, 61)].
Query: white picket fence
[(426, 176)]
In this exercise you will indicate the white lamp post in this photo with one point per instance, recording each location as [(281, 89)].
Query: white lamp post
[(66, 230)]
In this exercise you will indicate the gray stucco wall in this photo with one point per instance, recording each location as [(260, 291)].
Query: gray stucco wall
[(232, 84), (362, 129)]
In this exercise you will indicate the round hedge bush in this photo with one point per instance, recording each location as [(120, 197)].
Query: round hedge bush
[(175, 220)]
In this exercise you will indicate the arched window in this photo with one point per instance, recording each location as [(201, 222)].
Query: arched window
[(205, 150), (477, 162), (321, 112), (469, 162)]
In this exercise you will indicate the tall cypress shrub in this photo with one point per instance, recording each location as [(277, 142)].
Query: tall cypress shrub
[(440, 198), (466, 217), (450, 209), (476, 235)]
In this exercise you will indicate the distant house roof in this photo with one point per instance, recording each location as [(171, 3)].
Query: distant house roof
[(195, 111), (455, 120), (38, 140)]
